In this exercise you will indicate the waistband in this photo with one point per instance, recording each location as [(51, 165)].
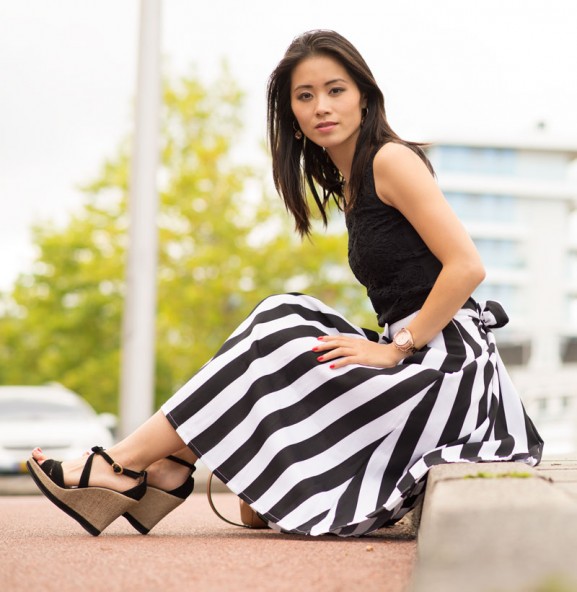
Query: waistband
[(490, 313)]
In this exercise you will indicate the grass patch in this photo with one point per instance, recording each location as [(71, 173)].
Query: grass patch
[(509, 475), (556, 584)]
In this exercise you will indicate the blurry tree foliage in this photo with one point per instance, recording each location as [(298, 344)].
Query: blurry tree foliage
[(226, 242)]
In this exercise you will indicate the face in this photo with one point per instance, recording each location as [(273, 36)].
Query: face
[(326, 102)]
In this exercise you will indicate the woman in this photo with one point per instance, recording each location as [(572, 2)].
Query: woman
[(321, 426)]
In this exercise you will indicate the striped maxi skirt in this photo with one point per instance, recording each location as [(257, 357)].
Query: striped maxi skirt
[(316, 450)]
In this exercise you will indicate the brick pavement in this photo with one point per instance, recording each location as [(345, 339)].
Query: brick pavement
[(43, 550)]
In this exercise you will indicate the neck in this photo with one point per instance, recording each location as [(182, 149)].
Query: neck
[(342, 157)]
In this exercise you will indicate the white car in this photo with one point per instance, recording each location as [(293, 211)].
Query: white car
[(57, 420)]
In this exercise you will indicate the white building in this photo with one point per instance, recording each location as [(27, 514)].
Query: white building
[(518, 200)]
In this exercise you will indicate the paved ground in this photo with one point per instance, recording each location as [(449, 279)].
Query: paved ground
[(489, 527), (43, 550), (563, 473)]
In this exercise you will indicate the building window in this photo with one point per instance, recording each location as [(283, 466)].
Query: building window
[(484, 207), (569, 350), (542, 405), (572, 311), (515, 354), (500, 253), (507, 294), (468, 159), (572, 267)]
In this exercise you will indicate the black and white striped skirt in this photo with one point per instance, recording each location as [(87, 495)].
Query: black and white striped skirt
[(316, 450)]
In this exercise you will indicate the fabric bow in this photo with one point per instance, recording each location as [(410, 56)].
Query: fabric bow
[(492, 314)]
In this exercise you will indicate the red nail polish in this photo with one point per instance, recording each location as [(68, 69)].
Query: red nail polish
[(332, 366), (320, 358), (320, 338), (315, 349)]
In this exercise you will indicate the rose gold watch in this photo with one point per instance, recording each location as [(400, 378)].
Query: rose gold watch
[(403, 341)]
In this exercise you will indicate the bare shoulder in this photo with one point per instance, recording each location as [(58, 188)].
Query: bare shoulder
[(396, 169), (393, 155), (393, 149)]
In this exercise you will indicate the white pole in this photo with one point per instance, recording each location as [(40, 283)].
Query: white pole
[(138, 331)]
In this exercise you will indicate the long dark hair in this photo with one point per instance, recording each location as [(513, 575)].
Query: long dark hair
[(298, 163)]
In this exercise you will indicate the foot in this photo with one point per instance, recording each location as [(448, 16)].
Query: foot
[(163, 474), (167, 475), (101, 474)]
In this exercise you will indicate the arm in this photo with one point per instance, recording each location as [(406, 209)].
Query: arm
[(403, 181)]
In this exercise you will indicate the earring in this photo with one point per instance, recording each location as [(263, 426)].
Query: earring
[(298, 132)]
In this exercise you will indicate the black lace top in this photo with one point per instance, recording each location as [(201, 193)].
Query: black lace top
[(388, 256)]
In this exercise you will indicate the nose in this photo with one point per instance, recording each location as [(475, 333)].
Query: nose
[(323, 105)]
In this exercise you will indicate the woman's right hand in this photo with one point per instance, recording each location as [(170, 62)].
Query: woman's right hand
[(342, 350)]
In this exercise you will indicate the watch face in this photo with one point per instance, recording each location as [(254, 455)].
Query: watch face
[(401, 339)]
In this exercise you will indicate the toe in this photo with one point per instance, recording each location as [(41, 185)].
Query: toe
[(38, 455)]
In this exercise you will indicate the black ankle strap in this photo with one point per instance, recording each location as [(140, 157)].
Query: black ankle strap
[(118, 469), (182, 462), (85, 477)]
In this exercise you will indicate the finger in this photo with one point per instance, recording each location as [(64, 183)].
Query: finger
[(325, 339), (327, 356), (337, 336), (332, 341), (342, 362), (325, 347), (338, 353)]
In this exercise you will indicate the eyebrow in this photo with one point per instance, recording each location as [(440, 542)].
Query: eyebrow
[(301, 86)]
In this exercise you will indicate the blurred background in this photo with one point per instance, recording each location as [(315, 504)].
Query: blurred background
[(490, 85)]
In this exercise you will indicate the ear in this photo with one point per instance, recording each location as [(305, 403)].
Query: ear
[(364, 102)]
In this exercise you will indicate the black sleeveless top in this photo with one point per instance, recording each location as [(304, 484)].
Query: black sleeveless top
[(388, 256)]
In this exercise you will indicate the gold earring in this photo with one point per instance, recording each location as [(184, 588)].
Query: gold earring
[(298, 132)]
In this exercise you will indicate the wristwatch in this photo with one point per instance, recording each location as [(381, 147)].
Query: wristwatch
[(403, 341)]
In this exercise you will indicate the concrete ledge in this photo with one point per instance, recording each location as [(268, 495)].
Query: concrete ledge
[(492, 527)]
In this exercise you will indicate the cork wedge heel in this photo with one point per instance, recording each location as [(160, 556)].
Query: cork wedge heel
[(94, 508), (156, 503)]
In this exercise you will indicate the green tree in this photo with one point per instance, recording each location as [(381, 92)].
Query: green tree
[(225, 243)]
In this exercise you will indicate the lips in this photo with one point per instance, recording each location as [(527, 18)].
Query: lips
[(325, 125)]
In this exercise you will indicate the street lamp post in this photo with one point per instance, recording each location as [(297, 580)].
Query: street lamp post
[(139, 319)]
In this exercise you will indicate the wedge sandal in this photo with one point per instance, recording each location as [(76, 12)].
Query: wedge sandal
[(157, 503), (94, 508)]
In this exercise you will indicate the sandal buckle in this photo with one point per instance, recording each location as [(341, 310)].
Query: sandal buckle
[(118, 469)]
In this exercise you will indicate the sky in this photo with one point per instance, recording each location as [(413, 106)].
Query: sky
[(446, 67)]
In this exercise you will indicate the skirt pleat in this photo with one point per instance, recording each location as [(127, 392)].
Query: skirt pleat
[(316, 450)]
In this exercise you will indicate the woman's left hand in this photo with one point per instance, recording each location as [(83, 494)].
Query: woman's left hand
[(342, 350)]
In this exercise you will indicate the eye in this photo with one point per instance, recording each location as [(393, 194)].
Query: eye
[(336, 90), (304, 96)]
